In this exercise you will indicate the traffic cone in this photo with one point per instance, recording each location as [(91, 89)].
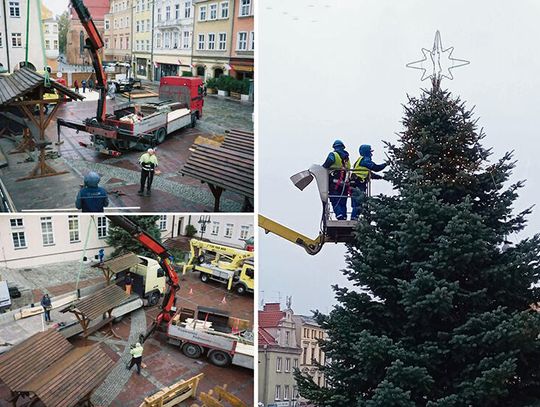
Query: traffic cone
[(224, 301), (191, 291)]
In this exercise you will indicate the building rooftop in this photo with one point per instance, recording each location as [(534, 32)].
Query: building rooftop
[(270, 315), (265, 338)]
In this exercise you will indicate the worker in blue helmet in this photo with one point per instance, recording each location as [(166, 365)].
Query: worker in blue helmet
[(338, 165), (91, 197), (363, 171)]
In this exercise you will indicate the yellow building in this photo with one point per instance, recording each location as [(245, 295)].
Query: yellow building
[(308, 334), (212, 37), (142, 38)]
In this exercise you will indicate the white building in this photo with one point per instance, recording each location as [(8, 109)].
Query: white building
[(230, 230), (31, 240), (13, 35), (173, 32), (50, 34)]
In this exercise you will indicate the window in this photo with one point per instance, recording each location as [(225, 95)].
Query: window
[(312, 355), (107, 24), (215, 228), (278, 392), (252, 43), (177, 11), (225, 9), (320, 356), (304, 356), (167, 40), (16, 223), (211, 41), (200, 45), (286, 392), (102, 227), (278, 364), (159, 15), (14, 9), (47, 231), (213, 11), (148, 25), (287, 364), (47, 44), (162, 222), (295, 392), (158, 40), (1, 41), (202, 13), (175, 39), (229, 230), (47, 29), (106, 43), (186, 42), (241, 44), (222, 41), (148, 45), (245, 8), (295, 363), (244, 232), (287, 337), (187, 9), (167, 13), (137, 26), (16, 39), (19, 240)]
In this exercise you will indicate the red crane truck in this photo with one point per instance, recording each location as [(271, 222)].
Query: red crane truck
[(135, 126)]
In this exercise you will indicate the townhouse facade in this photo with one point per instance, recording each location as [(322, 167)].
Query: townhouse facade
[(117, 32), (173, 36), (33, 240), (279, 355), (212, 37), (229, 230), (309, 333), (50, 37), (76, 54), (13, 40), (142, 38), (243, 37)]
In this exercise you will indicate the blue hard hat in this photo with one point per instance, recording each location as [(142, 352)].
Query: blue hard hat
[(92, 179), (365, 150), (338, 144)]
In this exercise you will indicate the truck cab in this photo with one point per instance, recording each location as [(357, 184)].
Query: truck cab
[(148, 279), (183, 89)]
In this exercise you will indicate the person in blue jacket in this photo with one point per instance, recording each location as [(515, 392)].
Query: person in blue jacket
[(337, 163), (363, 170), (92, 198)]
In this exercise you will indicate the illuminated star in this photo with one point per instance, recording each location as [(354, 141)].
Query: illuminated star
[(440, 59)]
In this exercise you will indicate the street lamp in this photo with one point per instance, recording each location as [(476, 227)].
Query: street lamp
[(203, 221)]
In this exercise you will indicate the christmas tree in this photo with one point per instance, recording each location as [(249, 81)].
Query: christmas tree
[(443, 316), (123, 242)]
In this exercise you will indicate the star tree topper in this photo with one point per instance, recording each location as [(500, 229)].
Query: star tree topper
[(440, 59)]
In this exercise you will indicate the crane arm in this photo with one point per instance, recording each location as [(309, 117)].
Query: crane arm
[(173, 282), (94, 43), (312, 246)]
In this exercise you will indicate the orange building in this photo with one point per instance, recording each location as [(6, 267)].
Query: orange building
[(243, 39)]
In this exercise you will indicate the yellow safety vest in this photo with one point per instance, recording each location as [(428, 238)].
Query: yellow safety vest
[(136, 352), (359, 171), (338, 163)]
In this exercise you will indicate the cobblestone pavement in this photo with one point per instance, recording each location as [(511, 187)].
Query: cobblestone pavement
[(119, 376), (171, 191)]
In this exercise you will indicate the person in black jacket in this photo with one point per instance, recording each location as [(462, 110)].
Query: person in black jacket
[(47, 306)]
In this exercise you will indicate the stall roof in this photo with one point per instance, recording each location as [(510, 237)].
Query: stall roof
[(59, 374), (30, 357), (100, 302), (71, 378), (23, 81), (120, 263)]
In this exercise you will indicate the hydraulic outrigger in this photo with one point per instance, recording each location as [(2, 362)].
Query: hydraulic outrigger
[(332, 230)]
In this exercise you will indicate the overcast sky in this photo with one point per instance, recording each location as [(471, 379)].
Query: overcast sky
[(56, 6), (336, 69)]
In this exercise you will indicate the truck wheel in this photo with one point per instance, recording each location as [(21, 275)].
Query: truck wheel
[(192, 351), (219, 358), (204, 277), (240, 289), (160, 134), (153, 299), (193, 120)]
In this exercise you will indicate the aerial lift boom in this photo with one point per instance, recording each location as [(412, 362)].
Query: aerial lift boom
[(337, 231), (165, 261)]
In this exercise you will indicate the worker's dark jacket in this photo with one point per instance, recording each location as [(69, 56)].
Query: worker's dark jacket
[(46, 302), (128, 280), (92, 199)]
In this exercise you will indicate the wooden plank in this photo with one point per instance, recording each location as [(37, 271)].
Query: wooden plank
[(174, 394), (229, 397), (209, 401)]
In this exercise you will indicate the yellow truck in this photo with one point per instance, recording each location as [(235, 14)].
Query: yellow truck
[(227, 265)]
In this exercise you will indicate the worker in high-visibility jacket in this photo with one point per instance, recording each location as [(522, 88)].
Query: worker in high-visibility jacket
[(363, 171), (338, 165), (149, 163), (136, 357)]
